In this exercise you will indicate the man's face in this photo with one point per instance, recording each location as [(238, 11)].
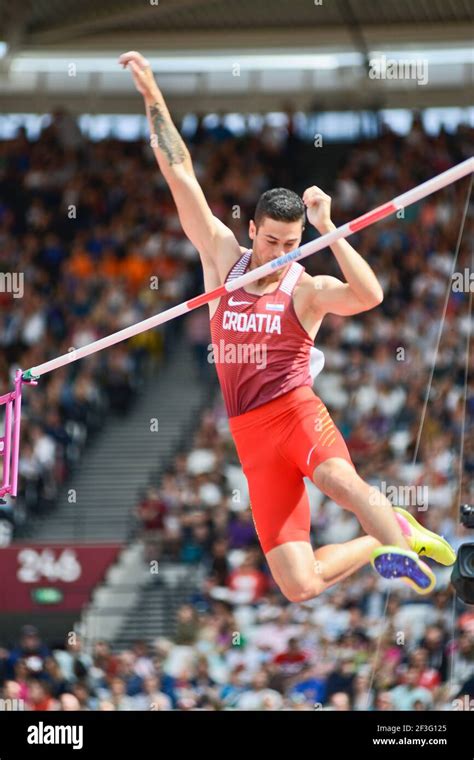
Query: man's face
[(273, 239), (412, 676)]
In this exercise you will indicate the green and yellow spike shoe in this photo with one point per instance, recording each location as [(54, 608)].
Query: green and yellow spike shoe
[(423, 541), (392, 562)]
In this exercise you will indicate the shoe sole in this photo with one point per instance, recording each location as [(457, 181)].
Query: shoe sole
[(429, 534), (391, 562)]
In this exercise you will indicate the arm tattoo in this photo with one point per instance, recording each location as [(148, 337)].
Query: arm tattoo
[(168, 137)]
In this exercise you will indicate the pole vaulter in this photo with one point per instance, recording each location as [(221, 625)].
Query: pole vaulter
[(10, 441)]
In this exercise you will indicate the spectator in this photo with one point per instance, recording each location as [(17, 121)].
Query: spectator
[(260, 697), (30, 650), (151, 512), (242, 530), (293, 659), (54, 678), (73, 661), (39, 697), (68, 703), (384, 702), (187, 627), (340, 701), (408, 693), (118, 696), (311, 685), (152, 698), (247, 582)]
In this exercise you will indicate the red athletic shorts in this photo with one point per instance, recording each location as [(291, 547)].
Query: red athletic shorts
[(278, 443)]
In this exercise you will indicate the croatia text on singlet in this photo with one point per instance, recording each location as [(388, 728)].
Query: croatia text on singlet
[(260, 348)]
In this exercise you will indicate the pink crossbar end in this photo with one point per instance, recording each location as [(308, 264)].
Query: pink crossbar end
[(372, 216), (10, 441)]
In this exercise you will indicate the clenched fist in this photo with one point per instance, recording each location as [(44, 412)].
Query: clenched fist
[(318, 208)]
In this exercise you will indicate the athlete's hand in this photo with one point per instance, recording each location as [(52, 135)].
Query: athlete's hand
[(318, 208), (141, 73)]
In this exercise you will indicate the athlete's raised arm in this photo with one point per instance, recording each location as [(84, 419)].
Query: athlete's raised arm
[(207, 233), (362, 290)]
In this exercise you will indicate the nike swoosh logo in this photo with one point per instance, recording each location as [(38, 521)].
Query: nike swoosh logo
[(238, 303)]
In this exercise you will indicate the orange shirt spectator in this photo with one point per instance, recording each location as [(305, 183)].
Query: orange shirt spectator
[(136, 270), (109, 266), (80, 264)]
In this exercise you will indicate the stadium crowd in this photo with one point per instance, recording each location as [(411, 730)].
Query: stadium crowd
[(238, 644)]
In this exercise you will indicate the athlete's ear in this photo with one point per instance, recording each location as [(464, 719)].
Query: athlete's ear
[(252, 229)]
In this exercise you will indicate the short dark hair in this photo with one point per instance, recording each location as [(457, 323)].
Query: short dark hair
[(280, 204)]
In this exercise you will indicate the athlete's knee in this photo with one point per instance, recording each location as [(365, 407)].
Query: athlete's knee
[(299, 597), (298, 592)]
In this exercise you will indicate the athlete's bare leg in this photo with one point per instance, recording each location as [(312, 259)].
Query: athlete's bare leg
[(302, 574), (337, 479)]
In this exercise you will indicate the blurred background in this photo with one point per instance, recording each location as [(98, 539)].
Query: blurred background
[(131, 575)]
